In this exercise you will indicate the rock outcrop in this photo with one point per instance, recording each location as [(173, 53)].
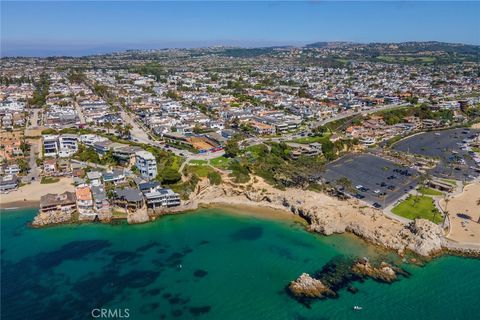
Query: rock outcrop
[(307, 287), (383, 273), (43, 219), (424, 237), (138, 216)]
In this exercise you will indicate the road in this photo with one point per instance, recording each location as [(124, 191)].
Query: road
[(34, 172), (363, 112), (34, 119), (141, 135), (79, 113)]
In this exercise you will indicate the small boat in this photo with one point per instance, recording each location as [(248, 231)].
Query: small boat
[(357, 308)]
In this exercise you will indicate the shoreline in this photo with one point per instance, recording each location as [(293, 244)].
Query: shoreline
[(13, 205), (266, 212), (316, 212)]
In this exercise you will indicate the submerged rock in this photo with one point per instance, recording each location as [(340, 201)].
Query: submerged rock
[(308, 287)]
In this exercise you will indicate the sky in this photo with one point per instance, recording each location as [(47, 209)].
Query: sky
[(43, 28)]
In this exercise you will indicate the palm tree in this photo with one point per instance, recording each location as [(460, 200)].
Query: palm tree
[(126, 129), (109, 126), (447, 200)]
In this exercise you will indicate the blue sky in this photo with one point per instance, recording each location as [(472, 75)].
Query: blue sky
[(77, 28)]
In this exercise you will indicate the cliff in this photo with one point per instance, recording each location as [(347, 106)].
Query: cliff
[(328, 215)]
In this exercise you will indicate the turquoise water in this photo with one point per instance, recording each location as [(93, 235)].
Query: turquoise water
[(232, 267)]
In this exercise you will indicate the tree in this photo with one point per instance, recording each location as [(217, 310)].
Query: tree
[(170, 176), (24, 146), (109, 126), (232, 148)]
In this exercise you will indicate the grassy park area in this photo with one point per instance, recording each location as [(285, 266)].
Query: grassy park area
[(220, 162), (48, 180), (418, 207)]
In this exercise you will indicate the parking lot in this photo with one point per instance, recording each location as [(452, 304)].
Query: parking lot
[(374, 180), (446, 146)]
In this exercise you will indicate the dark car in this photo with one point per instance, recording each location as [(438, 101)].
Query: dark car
[(377, 205), (391, 188), (359, 196)]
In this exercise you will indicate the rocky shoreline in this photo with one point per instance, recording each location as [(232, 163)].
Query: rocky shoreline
[(324, 214)]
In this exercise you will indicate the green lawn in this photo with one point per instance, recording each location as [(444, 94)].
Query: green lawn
[(198, 162), (201, 170), (418, 207), (220, 162), (429, 191), (475, 149), (313, 139), (48, 180)]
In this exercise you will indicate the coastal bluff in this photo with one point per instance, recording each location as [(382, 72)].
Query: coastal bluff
[(328, 215)]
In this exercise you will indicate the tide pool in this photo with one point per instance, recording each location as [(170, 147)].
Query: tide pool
[(210, 264)]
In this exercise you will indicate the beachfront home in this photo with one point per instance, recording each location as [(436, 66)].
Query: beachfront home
[(84, 200), (128, 198), (8, 183), (159, 197), (100, 199), (64, 202)]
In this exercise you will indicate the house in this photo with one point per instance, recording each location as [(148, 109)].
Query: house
[(63, 165), (307, 150), (64, 145), (129, 198), (8, 183), (158, 197), (95, 178), (125, 153), (12, 169), (115, 176), (64, 202), (100, 199), (68, 144), (50, 145), (84, 200), (49, 166), (146, 164)]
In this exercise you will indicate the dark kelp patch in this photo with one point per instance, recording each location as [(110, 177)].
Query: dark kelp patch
[(249, 233)]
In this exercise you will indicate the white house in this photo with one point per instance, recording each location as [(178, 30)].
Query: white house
[(146, 164)]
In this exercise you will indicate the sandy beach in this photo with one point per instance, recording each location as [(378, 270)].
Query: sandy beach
[(29, 195), (465, 203)]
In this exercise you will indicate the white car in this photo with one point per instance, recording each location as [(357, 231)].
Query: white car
[(376, 191), (359, 187)]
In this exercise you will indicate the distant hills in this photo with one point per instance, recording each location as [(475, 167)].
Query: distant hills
[(403, 47)]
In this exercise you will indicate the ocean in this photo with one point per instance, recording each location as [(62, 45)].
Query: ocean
[(210, 264)]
